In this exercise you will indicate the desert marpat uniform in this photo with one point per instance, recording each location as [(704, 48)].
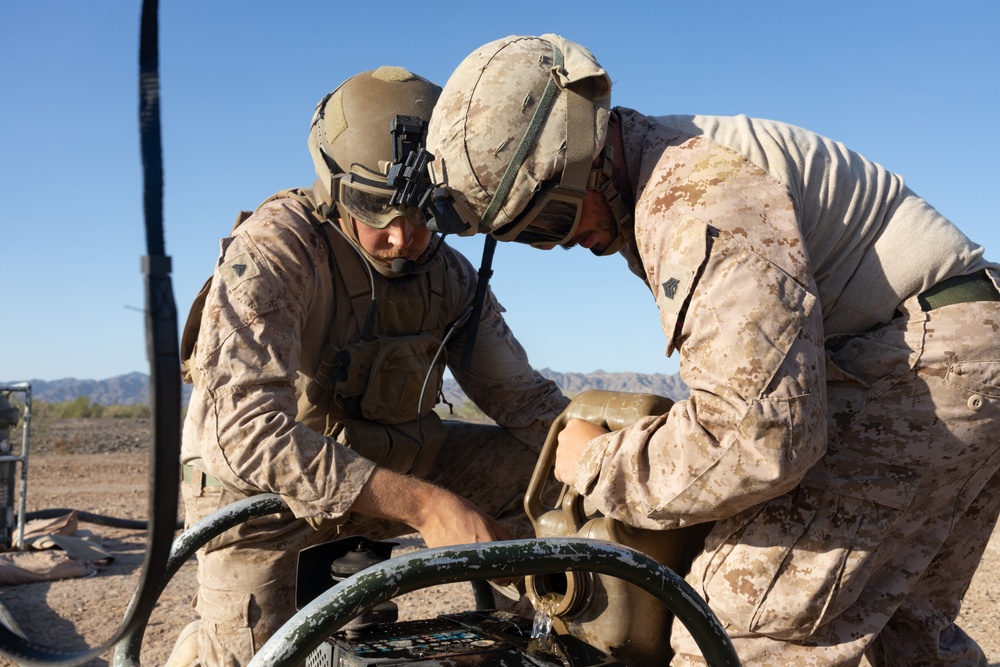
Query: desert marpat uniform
[(279, 304), (841, 429)]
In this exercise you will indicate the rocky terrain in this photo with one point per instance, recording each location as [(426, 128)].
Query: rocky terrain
[(100, 466)]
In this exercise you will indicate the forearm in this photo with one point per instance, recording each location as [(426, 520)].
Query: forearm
[(389, 495), (441, 517), (249, 439), (712, 455)]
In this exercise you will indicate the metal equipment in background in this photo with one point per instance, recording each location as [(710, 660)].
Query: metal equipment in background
[(11, 454)]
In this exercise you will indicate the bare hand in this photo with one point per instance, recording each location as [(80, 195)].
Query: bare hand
[(572, 441), (441, 517), (452, 520)]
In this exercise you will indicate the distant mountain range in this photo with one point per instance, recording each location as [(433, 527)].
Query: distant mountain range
[(133, 388), (129, 389), (574, 383)]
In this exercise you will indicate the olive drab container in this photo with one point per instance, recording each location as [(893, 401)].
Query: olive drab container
[(606, 612)]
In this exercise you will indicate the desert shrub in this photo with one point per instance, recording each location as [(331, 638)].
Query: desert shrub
[(79, 408), (82, 407), (465, 411), (127, 411)]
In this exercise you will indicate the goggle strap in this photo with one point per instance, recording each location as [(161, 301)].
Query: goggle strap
[(335, 187), (378, 184), (527, 142)]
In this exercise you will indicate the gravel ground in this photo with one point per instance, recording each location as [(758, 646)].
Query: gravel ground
[(100, 466)]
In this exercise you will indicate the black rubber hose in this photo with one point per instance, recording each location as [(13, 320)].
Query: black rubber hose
[(96, 519), (185, 546), (163, 351)]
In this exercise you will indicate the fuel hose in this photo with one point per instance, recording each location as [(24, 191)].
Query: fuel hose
[(165, 383)]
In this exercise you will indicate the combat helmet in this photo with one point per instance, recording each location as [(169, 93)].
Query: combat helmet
[(351, 139), (517, 132)]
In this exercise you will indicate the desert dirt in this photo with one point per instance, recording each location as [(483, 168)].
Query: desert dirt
[(100, 466)]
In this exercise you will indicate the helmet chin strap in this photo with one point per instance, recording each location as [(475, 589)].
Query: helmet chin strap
[(601, 180), (401, 266)]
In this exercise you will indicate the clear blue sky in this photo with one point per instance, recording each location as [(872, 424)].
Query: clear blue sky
[(910, 84)]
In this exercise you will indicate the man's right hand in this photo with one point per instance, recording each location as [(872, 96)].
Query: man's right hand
[(441, 517)]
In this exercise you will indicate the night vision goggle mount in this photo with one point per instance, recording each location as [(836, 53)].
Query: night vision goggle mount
[(409, 177)]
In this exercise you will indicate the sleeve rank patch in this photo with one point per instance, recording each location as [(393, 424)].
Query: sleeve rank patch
[(670, 287), (238, 269), (677, 282)]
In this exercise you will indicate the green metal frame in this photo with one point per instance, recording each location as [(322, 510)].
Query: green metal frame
[(305, 631)]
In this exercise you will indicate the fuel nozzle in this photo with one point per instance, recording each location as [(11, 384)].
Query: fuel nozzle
[(363, 554), (323, 566), (560, 594)]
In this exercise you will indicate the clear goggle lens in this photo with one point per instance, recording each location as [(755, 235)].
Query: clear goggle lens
[(369, 203)]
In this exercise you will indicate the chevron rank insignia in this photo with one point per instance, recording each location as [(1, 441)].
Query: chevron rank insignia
[(675, 285), (670, 287), (238, 269)]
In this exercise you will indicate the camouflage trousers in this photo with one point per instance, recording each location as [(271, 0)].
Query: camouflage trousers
[(246, 576), (872, 554)]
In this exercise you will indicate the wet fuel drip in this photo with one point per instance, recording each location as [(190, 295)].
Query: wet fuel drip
[(541, 629)]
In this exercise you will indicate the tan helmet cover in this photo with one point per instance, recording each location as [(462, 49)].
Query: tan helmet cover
[(486, 108), (351, 126)]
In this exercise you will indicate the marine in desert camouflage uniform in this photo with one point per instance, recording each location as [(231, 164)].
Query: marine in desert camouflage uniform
[(283, 347), (839, 336)]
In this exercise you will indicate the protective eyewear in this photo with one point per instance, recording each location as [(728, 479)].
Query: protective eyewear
[(551, 218), (367, 200)]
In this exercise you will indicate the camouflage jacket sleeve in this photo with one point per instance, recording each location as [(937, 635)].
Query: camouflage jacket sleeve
[(723, 255), (242, 415), (500, 380)]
